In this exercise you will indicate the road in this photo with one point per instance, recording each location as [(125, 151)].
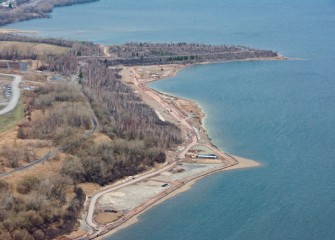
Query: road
[(15, 94), (38, 161)]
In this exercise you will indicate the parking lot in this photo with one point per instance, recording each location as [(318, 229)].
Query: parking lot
[(5, 90)]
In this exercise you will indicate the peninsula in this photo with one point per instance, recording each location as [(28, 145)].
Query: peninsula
[(96, 144)]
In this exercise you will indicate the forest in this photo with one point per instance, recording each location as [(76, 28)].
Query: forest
[(182, 53)]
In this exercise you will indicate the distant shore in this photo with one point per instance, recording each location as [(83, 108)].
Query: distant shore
[(34, 9), (9, 30)]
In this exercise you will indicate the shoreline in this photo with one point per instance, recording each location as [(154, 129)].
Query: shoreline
[(245, 163), (185, 66), (11, 31), (240, 162)]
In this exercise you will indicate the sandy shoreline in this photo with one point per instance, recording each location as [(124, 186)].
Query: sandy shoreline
[(182, 67), (243, 163), (8, 30)]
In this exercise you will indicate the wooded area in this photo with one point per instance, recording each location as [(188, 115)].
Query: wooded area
[(40, 209), (122, 112), (44, 207), (183, 53)]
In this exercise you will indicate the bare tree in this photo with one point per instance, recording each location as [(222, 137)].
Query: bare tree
[(11, 156)]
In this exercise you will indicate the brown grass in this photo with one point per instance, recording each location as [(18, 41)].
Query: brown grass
[(89, 188), (41, 49), (100, 138), (36, 77), (107, 217)]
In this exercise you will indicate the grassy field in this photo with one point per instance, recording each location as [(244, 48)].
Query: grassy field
[(10, 119), (5, 78), (39, 48)]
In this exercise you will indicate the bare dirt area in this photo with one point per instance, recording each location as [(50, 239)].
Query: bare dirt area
[(128, 198), (134, 199), (157, 72)]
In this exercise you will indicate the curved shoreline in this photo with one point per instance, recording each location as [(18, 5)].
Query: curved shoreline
[(185, 185)]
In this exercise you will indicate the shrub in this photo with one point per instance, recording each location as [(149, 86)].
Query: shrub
[(26, 185)]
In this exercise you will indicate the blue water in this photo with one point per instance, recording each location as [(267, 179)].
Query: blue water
[(278, 112)]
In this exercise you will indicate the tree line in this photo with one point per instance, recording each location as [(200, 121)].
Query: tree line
[(16, 52), (130, 50), (168, 53)]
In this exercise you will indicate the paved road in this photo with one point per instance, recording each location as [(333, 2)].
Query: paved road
[(40, 160), (15, 94)]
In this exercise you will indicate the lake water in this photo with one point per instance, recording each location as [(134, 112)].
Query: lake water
[(280, 113)]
